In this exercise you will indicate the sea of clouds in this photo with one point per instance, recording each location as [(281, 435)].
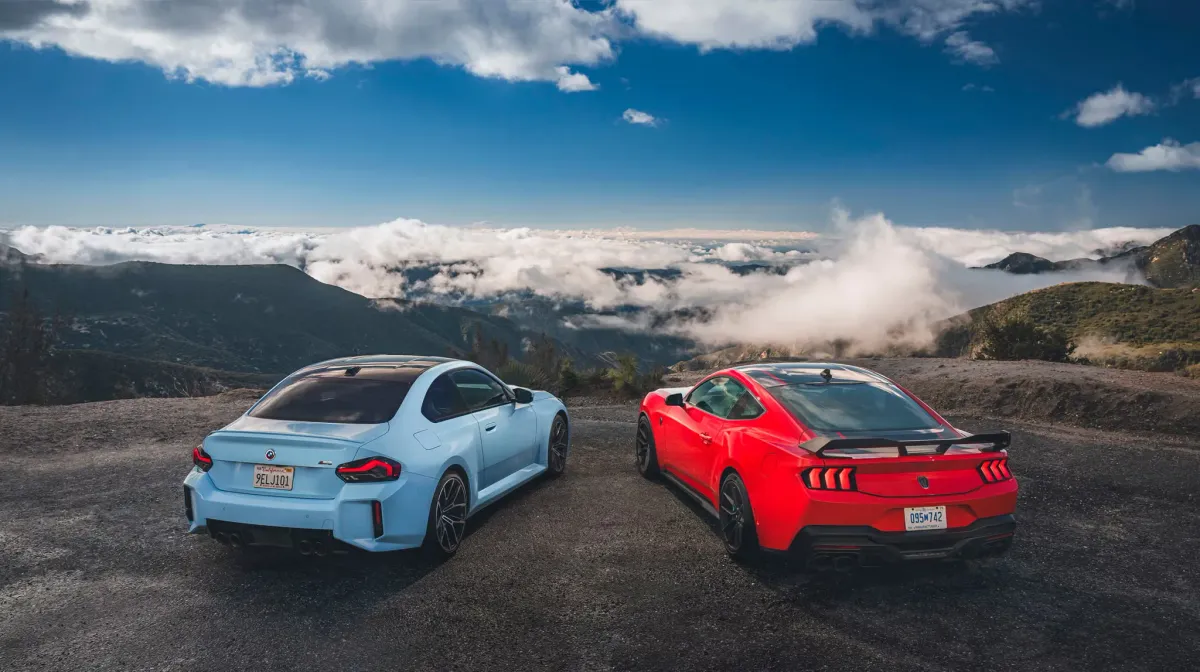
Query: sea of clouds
[(865, 279)]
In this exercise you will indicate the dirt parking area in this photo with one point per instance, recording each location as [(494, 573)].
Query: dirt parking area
[(598, 570)]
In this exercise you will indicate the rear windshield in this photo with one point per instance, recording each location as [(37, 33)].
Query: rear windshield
[(339, 398), (852, 407)]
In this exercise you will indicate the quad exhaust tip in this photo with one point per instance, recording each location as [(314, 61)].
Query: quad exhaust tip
[(305, 547)]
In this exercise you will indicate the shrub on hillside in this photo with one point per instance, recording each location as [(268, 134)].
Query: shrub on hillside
[(1021, 338)]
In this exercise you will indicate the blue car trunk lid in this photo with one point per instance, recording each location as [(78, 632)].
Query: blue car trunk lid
[(313, 449)]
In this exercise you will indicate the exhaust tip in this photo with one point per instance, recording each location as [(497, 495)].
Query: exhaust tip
[(319, 549), (821, 563), (235, 540), (221, 537), (844, 563), (305, 547)]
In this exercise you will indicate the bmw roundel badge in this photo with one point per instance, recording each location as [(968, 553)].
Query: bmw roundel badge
[(271, 456), (921, 480)]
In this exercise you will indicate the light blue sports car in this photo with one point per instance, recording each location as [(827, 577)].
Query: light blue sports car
[(379, 452)]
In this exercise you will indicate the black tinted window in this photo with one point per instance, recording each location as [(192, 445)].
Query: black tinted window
[(745, 408), (337, 398), (853, 407), (442, 400), (478, 389)]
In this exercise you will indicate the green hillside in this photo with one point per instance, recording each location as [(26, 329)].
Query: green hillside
[(1124, 325), (268, 319)]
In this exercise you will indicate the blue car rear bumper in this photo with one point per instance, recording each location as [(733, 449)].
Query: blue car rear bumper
[(347, 517)]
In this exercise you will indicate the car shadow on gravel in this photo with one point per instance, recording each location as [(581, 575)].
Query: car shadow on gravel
[(796, 583), (252, 575)]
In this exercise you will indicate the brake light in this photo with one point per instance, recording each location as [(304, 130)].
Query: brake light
[(994, 471), (201, 459), (369, 470), (829, 478)]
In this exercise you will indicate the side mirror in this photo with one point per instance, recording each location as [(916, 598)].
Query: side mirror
[(523, 395), (675, 399)]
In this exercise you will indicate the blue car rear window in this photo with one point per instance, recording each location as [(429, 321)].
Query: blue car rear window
[(339, 398), (853, 407)]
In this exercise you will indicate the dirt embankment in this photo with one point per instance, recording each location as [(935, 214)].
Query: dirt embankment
[(1084, 396)]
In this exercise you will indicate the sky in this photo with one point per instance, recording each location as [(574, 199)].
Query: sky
[(1019, 115)]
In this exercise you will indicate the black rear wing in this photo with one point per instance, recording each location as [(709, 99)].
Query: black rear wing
[(998, 441)]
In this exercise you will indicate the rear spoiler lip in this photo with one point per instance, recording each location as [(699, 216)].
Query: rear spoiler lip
[(818, 446)]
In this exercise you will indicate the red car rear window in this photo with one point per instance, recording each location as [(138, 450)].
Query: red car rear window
[(853, 407)]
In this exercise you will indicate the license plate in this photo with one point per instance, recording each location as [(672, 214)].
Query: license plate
[(925, 518), (273, 477)]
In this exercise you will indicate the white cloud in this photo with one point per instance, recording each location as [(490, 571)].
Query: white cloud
[(965, 49), (270, 42), (1168, 155), (869, 281), (978, 87), (1184, 89), (1103, 108), (573, 81), (255, 43), (640, 118)]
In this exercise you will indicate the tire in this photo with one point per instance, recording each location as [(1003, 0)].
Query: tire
[(644, 453), (737, 519), (558, 447), (447, 517)]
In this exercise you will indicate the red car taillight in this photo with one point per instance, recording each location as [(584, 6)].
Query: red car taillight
[(994, 471), (201, 458), (369, 470), (829, 478)]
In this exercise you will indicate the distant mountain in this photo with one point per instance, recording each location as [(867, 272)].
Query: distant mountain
[(1173, 261), (262, 319)]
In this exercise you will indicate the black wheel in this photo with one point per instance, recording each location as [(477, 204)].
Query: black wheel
[(447, 517), (645, 455), (737, 519), (556, 452)]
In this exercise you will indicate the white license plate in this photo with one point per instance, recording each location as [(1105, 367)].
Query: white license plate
[(925, 518), (273, 477)]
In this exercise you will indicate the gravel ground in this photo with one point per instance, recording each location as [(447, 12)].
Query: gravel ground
[(597, 570)]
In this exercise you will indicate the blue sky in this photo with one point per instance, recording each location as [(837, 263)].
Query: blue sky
[(757, 125)]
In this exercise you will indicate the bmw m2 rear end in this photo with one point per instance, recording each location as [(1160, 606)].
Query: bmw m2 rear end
[(380, 453)]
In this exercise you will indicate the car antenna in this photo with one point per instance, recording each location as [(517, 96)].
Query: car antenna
[(827, 375), (353, 370)]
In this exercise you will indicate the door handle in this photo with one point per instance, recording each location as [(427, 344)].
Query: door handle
[(705, 438), (490, 427)]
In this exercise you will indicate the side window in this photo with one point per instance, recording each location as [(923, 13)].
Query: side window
[(478, 389), (442, 400), (699, 397), (725, 398), (745, 408)]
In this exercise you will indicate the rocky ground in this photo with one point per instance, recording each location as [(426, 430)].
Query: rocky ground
[(600, 569)]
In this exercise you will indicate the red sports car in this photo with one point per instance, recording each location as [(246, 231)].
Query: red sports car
[(834, 463)]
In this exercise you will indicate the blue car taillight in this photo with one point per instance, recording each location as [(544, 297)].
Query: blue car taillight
[(201, 459), (369, 470), (829, 478)]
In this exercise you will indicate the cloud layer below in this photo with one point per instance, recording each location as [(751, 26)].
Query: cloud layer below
[(869, 281)]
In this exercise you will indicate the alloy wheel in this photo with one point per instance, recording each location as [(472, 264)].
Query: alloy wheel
[(558, 445), (451, 514), (733, 514)]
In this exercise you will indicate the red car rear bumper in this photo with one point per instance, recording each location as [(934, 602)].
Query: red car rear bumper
[(838, 545), (873, 527)]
